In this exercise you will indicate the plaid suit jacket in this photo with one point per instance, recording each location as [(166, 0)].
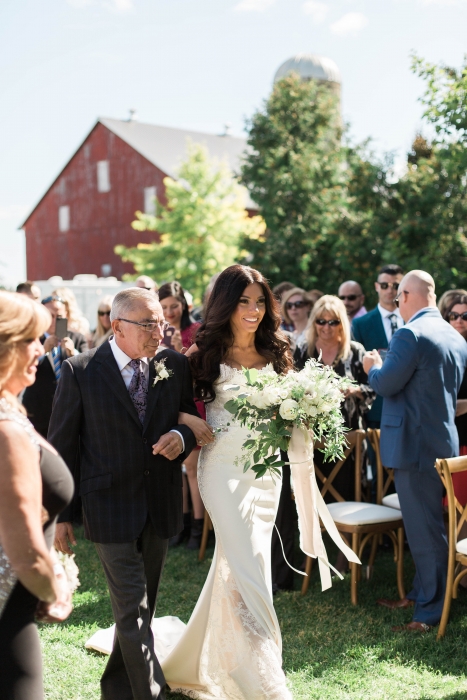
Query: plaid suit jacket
[(96, 429)]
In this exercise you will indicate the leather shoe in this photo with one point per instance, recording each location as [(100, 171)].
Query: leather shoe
[(395, 604), (412, 627)]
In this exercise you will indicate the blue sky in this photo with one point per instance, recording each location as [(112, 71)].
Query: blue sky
[(195, 64)]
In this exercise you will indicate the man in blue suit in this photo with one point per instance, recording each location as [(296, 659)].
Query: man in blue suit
[(419, 381)]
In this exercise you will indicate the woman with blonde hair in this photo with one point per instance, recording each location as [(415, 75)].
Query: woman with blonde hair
[(103, 328), (295, 310), (76, 321), (35, 485), (328, 336)]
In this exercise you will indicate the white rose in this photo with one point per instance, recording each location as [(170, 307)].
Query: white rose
[(163, 374), (288, 409), (272, 395), (258, 400)]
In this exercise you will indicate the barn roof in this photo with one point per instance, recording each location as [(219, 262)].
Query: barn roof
[(165, 147)]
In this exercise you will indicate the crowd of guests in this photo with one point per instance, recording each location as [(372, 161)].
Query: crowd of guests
[(336, 329)]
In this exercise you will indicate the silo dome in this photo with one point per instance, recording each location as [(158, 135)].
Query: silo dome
[(310, 67)]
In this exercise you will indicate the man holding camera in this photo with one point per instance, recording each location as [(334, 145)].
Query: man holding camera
[(59, 344)]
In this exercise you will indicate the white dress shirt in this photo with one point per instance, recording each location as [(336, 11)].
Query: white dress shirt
[(387, 321), (122, 360)]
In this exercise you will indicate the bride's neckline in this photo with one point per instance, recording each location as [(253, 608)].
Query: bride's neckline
[(235, 369)]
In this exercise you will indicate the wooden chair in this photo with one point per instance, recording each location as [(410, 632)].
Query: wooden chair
[(457, 548), (204, 538), (363, 521), (382, 485)]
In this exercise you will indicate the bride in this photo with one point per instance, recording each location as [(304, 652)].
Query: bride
[(231, 647)]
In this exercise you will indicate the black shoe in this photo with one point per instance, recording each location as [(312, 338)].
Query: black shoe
[(184, 534), (196, 534)]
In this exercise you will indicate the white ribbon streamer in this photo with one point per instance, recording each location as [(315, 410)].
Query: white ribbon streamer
[(311, 507)]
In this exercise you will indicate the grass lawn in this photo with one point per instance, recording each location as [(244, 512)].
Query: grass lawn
[(331, 649)]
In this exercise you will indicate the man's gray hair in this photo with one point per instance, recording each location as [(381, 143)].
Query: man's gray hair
[(127, 299)]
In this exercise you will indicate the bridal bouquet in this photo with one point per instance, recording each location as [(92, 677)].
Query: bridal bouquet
[(272, 405)]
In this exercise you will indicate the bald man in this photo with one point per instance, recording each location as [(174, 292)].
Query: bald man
[(352, 295), (419, 382)]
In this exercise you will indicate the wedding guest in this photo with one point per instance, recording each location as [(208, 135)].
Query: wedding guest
[(30, 289), (35, 486), (198, 313), (77, 322), (175, 308), (295, 310), (456, 315), (38, 398), (104, 327), (314, 295), (352, 295), (445, 299), (328, 335), (278, 291), (145, 282), (420, 381)]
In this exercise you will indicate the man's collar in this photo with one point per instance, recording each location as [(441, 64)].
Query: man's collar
[(121, 357), (422, 311), (385, 313)]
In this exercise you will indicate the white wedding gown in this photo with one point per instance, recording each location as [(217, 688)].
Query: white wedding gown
[(231, 647)]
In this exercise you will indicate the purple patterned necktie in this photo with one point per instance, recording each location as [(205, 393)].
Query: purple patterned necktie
[(138, 388)]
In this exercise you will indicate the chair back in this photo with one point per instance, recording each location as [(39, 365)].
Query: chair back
[(384, 475), (457, 513), (354, 444)]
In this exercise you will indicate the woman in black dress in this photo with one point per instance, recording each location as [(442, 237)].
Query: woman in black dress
[(328, 335), (35, 485)]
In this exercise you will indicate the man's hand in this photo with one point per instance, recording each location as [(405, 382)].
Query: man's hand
[(168, 445), (64, 536), (69, 346), (51, 342), (371, 359)]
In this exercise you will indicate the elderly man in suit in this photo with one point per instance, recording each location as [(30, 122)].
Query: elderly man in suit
[(117, 407), (419, 380), (38, 398)]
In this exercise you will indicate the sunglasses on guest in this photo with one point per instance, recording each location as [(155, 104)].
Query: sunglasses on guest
[(453, 316), (385, 285), (349, 297), (296, 304), (103, 313), (332, 323)]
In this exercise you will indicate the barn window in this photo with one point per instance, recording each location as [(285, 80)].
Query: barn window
[(64, 218), (103, 178), (150, 200)]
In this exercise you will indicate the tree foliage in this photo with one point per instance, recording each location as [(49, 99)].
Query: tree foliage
[(200, 228)]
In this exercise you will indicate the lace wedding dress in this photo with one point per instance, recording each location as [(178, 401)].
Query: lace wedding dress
[(231, 647)]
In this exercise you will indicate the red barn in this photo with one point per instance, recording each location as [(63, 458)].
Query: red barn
[(88, 209)]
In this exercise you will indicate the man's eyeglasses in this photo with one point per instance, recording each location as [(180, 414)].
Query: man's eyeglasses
[(103, 313), (149, 326), (296, 304), (349, 297), (396, 300), (453, 316), (385, 285), (47, 300), (332, 323)]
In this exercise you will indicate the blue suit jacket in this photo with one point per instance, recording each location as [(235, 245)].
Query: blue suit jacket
[(419, 381), (369, 331)]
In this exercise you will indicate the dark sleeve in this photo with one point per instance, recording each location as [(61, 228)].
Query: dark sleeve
[(399, 365), (361, 378), (65, 427), (356, 332), (187, 405), (299, 358), (81, 344)]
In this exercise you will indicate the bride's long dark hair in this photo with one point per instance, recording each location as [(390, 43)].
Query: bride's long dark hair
[(215, 337)]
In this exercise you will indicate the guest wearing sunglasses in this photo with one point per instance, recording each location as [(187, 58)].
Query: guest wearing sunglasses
[(328, 335), (295, 310), (103, 328), (352, 295)]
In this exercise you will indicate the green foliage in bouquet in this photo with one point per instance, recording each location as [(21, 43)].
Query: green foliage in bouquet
[(272, 404)]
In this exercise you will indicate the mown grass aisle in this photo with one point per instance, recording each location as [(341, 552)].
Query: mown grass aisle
[(331, 649)]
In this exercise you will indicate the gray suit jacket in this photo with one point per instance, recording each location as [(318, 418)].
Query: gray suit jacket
[(96, 429), (419, 381)]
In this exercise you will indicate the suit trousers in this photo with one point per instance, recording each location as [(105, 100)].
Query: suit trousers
[(420, 496), (133, 571), (282, 574)]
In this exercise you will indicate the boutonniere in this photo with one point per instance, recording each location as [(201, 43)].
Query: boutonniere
[(161, 371)]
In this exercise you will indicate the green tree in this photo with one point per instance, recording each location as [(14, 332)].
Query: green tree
[(200, 228)]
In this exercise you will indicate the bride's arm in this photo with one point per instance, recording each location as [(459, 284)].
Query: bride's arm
[(202, 430)]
